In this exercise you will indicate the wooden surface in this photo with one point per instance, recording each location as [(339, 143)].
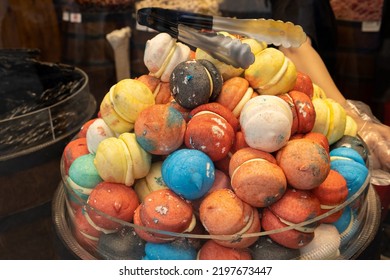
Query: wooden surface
[(31, 24)]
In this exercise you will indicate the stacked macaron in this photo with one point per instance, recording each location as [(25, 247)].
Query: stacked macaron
[(122, 160), (332, 119), (272, 72), (162, 54), (211, 129), (195, 82), (196, 146), (266, 122), (122, 104)]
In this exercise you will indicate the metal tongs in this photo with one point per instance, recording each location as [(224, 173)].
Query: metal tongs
[(200, 31)]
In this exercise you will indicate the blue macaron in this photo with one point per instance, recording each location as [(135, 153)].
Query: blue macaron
[(351, 166), (83, 175), (179, 249), (189, 173), (347, 225)]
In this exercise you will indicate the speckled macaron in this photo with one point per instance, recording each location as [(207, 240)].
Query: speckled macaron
[(296, 206), (305, 163), (166, 211), (222, 212), (235, 93), (266, 122), (160, 129), (189, 173), (331, 193), (211, 129), (304, 110), (115, 200), (192, 83), (256, 178), (304, 84)]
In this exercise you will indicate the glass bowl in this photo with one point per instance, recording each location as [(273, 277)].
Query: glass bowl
[(361, 232), (44, 106)]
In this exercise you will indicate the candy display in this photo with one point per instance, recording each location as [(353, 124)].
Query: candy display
[(200, 160)]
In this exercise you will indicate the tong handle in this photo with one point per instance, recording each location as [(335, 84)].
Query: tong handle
[(166, 20), (271, 31)]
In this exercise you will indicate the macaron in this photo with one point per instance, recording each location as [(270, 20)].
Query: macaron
[(161, 90), (195, 82), (353, 142), (348, 225), (83, 130), (332, 192), (319, 138), (324, 246), (115, 201), (84, 232), (122, 160), (179, 249), (153, 181), (123, 103), (211, 250), (351, 166), (296, 206), (330, 118), (266, 249), (162, 54), (235, 93), (304, 110), (160, 129), (305, 163), (211, 129), (123, 244), (272, 72), (166, 211), (266, 122), (97, 132), (222, 212), (189, 173), (83, 176), (304, 84), (74, 149), (256, 178)]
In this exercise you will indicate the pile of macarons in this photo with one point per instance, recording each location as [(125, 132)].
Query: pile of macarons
[(199, 160)]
